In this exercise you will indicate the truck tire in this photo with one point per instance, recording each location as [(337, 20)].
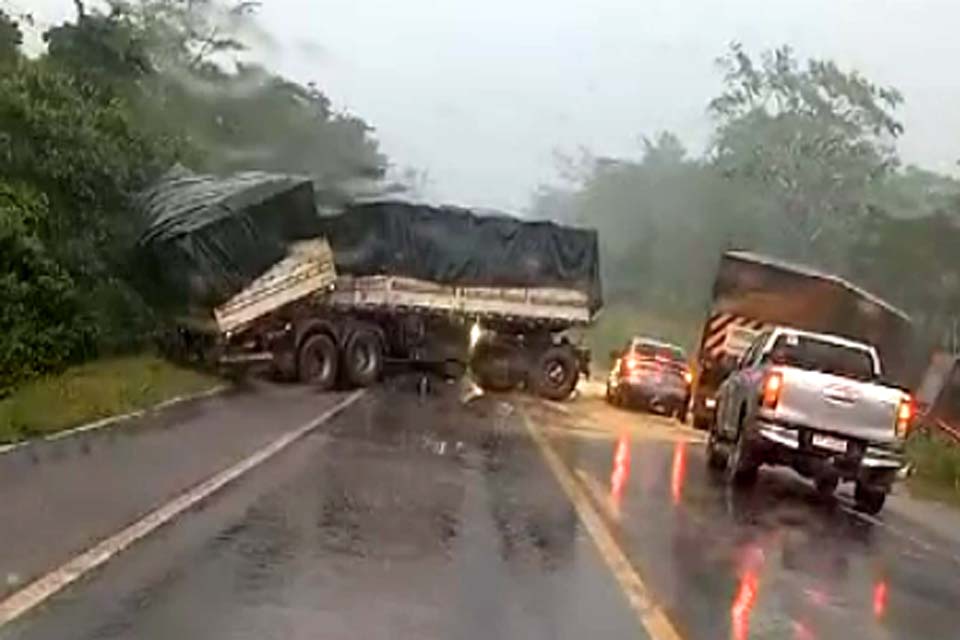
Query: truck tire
[(868, 500), (826, 485), (363, 357), (317, 362), (555, 373), (490, 367)]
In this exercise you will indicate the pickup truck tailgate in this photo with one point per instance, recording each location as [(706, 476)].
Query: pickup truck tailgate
[(862, 410)]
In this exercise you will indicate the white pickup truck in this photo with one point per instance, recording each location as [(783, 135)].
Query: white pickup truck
[(813, 402)]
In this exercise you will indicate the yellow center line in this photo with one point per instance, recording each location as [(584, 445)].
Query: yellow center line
[(651, 616)]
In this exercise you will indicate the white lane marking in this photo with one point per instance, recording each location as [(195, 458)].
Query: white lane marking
[(651, 616), (111, 420), (22, 601)]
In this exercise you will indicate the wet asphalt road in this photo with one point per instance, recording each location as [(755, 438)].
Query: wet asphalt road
[(411, 517)]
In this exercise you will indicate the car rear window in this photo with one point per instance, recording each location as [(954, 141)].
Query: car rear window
[(804, 352), (659, 352)]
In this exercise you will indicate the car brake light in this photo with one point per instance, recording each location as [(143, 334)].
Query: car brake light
[(772, 387), (904, 416)]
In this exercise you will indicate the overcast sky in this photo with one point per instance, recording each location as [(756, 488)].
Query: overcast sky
[(481, 92)]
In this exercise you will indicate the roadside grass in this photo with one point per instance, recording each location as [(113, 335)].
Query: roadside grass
[(92, 391), (936, 464)]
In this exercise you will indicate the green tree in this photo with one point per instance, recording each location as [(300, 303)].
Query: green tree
[(814, 138), (10, 39), (42, 323)]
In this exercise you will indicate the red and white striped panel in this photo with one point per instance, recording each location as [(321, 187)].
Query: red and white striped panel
[(728, 333)]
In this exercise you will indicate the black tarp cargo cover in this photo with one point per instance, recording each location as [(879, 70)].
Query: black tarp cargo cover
[(455, 246), (207, 237)]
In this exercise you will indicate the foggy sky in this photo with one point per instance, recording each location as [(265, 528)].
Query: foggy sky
[(480, 93)]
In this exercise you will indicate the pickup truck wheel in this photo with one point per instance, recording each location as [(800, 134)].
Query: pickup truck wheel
[(716, 458), (317, 362), (868, 500), (742, 469), (555, 373), (363, 358)]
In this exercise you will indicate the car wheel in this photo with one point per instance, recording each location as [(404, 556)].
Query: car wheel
[(742, 469), (868, 499)]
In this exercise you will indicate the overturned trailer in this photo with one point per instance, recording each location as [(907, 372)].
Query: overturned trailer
[(383, 281)]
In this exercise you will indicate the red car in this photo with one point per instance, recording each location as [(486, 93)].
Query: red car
[(650, 374)]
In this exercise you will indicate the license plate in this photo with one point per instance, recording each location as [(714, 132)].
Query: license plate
[(829, 442)]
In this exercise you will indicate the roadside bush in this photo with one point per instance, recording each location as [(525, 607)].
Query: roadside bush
[(935, 459), (42, 327)]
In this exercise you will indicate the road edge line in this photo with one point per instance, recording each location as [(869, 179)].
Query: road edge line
[(651, 616), (38, 591), (112, 420)]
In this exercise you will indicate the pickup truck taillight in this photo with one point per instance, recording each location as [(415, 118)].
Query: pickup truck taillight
[(904, 416), (772, 386)]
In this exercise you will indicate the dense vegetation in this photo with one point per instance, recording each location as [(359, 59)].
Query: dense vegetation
[(802, 165), (116, 99)]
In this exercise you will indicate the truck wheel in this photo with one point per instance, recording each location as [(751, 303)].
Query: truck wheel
[(742, 469), (555, 374), (490, 366), (363, 358), (826, 485), (868, 500), (317, 362)]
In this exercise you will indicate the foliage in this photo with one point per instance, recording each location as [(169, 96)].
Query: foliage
[(936, 464), (94, 390), (41, 321), (10, 39), (802, 166), (119, 97), (84, 150), (814, 138), (663, 221)]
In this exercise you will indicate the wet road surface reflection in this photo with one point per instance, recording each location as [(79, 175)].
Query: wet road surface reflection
[(409, 517), (775, 561)]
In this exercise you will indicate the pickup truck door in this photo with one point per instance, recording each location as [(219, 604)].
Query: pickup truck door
[(736, 386)]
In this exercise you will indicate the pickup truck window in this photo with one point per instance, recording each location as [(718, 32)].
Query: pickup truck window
[(804, 352)]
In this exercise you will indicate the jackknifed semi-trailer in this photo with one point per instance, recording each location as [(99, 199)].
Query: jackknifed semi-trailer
[(336, 299)]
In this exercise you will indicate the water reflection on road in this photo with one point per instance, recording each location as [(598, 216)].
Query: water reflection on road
[(776, 561)]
